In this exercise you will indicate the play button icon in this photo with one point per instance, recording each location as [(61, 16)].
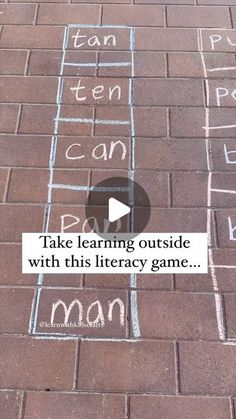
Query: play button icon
[(116, 210), (117, 205)]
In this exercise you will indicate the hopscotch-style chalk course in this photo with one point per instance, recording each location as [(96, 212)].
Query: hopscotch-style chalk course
[(216, 38), (72, 33)]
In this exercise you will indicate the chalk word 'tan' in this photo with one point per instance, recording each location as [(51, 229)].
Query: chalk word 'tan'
[(95, 309), (93, 41), (98, 92), (214, 39), (100, 152), (68, 221)]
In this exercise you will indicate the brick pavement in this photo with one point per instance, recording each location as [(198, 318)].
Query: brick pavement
[(173, 355)]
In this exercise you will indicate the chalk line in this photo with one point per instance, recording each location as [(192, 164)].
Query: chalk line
[(217, 295)]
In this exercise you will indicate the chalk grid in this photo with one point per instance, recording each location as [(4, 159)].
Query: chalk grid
[(214, 269), (133, 279)]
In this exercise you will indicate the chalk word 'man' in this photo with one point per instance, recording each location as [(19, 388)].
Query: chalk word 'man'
[(99, 152), (68, 221), (94, 313), (98, 92), (93, 41)]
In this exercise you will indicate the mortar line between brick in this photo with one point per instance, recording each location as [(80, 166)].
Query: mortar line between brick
[(18, 119), (100, 14), (76, 370), (177, 367), (22, 405), (127, 406), (231, 17), (7, 185), (28, 54), (232, 408)]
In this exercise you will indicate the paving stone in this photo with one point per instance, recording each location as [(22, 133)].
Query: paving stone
[(207, 368), (142, 366), (12, 62), (190, 16), (134, 16), (168, 407), (8, 118), (177, 315), (41, 366), (69, 405), (11, 273), (50, 14), (10, 403), (15, 320), (17, 14)]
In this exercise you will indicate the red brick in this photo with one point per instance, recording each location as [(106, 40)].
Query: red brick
[(39, 119), (177, 220), (223, 230), (164, 1), (12, 61), (72, 405), (207, 368), (168, 407), (133, 15), (22, 185), (193, 282), (166, 39), (15, 320), (190, 189), (8, 118), (41, 366), (225, 276), (106, 281), (230, 306), (11, 273), (117, 326), (50, 14), (15, 219), (227, 38), (32, 37), (170, 154), (28, 89), (233, 10), (155, 282), (190, 64), (169, 315), (156, 185), (25, 151), (160, 92), (143, 366), (203, 17), (48, 62), (149, 121), (216, 2), (93, 152), (189, 122), (3, 183), (10, 403), (17, 14), (219, 160)]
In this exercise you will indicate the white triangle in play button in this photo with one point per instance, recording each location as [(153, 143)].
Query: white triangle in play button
[(116, 210)]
